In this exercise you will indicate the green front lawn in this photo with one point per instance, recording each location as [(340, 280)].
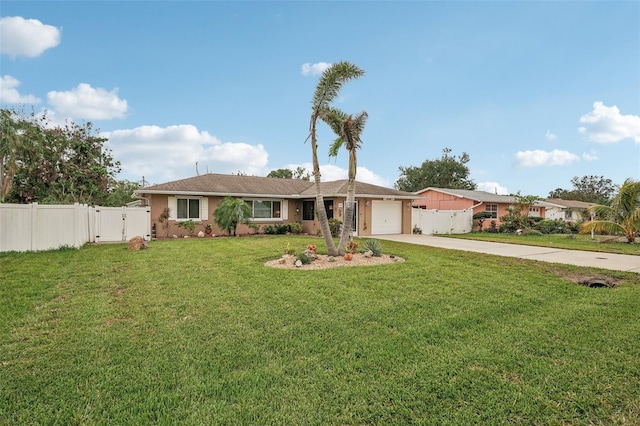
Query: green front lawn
[(200, 332), (600, 243)]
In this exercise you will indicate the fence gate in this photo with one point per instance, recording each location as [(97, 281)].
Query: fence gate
[(442, 221), (122, 223)]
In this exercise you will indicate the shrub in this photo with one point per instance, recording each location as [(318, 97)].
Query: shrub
[(254, 227), (304, 259), (373, 246), (270, 229), (189, 225), (335, 225), (295, 227), (352, 247)]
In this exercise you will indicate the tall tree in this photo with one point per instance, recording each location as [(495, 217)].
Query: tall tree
[(348, 129), (70, 165), (298, 173), (590, 189), (449, 171), (328, 88), (622, 216), (18, 142)]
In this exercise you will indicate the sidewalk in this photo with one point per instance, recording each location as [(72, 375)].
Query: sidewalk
[(617, 262)]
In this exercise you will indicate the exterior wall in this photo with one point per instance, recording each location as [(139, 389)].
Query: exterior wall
[(577, 215), (158, 203), (438, 201)]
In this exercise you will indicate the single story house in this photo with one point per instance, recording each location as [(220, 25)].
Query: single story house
[(567, 210), (478, 201), (378, 210)]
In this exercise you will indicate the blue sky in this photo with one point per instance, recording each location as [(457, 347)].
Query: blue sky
[(534, 92)]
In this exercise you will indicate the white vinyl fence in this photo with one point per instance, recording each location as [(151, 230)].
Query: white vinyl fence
[(34, 227), (442, 221)]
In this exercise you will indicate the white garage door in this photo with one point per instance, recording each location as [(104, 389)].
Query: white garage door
[(386, 217)]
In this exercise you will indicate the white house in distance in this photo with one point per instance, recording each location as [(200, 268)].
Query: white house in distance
[(567, 210)]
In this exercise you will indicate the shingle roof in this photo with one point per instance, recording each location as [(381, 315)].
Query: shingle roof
[(569, 203), (483, 196), (238, 185), (363, 190)]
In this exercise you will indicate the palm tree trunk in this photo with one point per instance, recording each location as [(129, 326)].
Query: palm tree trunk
[(348, 217), (322, 212)]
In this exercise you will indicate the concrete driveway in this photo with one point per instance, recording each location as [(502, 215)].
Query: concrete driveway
[(617, 262)]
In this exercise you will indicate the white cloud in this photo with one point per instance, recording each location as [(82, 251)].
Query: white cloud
[(26, 37), (314, 69), (492, 187), (590, 156), (9, 92), (538, 158), (550, 136), (606, 125), (163, 154), (85, 102)]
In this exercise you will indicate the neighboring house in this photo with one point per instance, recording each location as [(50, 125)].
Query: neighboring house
[(378, 210), (478, 201), (567, 210)]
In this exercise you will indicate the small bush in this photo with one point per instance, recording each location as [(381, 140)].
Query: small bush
[(373, 246), (295, 227), (335, 225), (304, 259), (270, 229)]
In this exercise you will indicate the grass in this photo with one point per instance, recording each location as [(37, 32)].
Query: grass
[(602, 244), (200, 332)]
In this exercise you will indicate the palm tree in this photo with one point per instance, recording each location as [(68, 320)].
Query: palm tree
[(232, 211), (327, 90), (348, 129), (622, 216)]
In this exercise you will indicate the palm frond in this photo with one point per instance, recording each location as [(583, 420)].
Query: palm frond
[(335, 147), (332, 80)]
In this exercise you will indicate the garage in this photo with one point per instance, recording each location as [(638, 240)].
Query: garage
[(386, 217)]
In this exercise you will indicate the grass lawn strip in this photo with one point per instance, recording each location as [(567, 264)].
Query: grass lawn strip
[(200, 331)]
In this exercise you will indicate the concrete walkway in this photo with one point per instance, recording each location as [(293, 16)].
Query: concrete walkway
[(617, 262)]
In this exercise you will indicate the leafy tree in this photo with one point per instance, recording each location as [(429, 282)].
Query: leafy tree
[(449, 171), (590, 189), (121, 193), (62, 164), (328, 88), (231, 213), (622, 216), (17, 143), (348, 129), (298, 173), (281, 173), (518, 213)]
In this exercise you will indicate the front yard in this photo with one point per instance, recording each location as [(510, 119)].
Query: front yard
[(201, 332)]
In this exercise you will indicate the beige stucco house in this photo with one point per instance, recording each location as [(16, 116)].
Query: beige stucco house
[(378, 210)]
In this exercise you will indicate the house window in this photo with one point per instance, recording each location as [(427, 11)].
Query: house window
[(568, 214), (265, 209), (308, 210), (188, 208), (493, 209)]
